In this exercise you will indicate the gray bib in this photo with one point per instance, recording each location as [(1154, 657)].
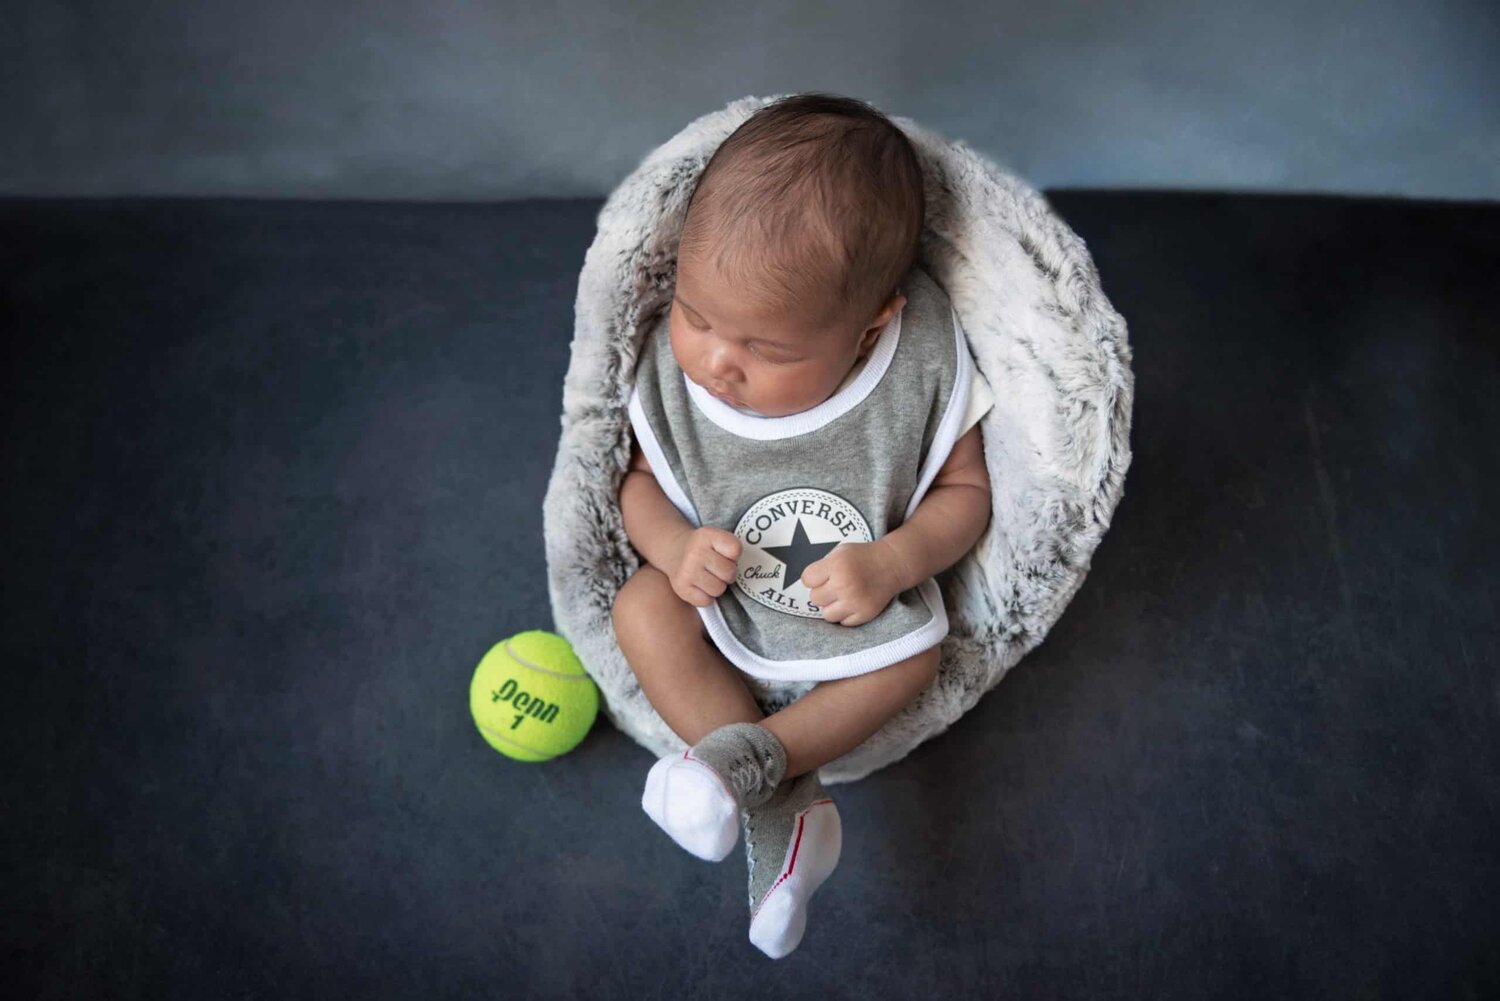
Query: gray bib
[(792, 488)]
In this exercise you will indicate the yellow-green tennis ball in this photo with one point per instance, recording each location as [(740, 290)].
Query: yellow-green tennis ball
[(531, 698)]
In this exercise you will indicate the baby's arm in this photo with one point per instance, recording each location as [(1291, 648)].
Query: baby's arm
[(950, 518), (652, 523), (700, 562)]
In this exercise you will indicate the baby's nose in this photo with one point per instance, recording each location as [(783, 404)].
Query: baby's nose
[(720, 366)]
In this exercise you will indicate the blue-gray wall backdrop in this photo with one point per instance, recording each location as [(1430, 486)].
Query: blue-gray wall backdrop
[(445, 99)]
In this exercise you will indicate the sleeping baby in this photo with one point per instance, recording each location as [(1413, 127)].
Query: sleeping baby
[(806, 456)]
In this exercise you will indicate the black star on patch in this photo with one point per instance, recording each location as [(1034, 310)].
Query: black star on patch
[(798, 554)]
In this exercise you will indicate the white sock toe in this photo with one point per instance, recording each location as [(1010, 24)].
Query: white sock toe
[(779, 920), (689, 801)]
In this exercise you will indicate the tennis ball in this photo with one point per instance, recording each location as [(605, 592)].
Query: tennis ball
[(531, 698)]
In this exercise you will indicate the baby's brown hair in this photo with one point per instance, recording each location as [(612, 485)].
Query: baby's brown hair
[(815, 202)]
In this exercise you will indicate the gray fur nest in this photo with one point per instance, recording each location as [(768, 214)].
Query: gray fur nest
[(1056, 442)]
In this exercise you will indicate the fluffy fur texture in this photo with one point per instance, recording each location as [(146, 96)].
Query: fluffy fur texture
[(1056, 442)]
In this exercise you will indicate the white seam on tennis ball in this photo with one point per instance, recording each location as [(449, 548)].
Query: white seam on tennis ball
[(514, 743), (544, 670)]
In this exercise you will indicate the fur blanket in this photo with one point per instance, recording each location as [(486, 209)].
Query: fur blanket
[(1056, 442)]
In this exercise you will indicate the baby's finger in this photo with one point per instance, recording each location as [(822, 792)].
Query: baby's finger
[(697, 596), (728, 544), (832, 612), (814, 575), (709, 584), (722, 567)]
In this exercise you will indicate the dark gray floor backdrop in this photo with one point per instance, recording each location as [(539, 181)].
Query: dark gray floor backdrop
[(273, 483)]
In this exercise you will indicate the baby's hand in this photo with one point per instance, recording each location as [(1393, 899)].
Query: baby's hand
[(854, 582), (706, 563)]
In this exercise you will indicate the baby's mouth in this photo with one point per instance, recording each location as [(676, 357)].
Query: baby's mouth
[(721, 397)]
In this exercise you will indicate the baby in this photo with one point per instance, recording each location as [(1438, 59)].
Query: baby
[(806, 456)]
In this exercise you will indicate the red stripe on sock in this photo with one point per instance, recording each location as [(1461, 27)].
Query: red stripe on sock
[(801, 819), (782, 878)]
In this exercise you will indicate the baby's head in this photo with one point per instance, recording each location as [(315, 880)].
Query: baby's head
[(797, 236)]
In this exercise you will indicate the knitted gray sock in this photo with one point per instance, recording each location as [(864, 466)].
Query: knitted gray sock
[(748, 757), (792, 844), (696, 796)]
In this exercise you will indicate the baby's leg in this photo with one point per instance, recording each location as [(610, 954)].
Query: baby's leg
[(696, 796), (690, 684), (793, 841), (837, 716)]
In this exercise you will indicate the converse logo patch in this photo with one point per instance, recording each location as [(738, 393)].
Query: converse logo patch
[(781, 534)]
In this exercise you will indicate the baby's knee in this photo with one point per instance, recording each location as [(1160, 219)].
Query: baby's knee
[(646, 605), (634, 596)]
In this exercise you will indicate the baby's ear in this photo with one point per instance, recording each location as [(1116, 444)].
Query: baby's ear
[(894, 306)]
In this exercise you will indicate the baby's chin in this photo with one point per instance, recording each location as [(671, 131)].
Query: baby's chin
[(781, 412), (788, 410)]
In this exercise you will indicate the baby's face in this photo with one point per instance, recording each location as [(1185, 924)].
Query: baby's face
[(774, 364)]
